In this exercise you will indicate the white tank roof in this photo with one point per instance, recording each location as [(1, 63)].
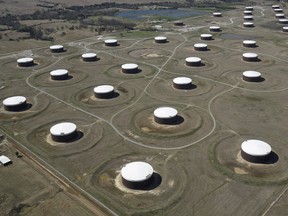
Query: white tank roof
[(63, 129), (214, 27), (256, 147), (182, 80), (248, 23), (285, 27), (56, 47), (206, 35), (89, 55), (111, 41), (103, 89), (280, 15), (283, 20), (59, 72), (248, 12), (275, 6), (278, 10), (160, 38), (248, 17), (14, 101), (165, 112), (137, 171), (200, 45), (25, 60), (251, 74), (249, 42), (217, 13), (193, 59), (129, 66), (249, 8), (250, 55)]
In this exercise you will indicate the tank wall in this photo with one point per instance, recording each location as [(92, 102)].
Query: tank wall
[(255, 159), (16, 108), (66, 138)]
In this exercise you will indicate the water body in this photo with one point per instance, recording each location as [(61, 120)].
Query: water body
[(171, 13)]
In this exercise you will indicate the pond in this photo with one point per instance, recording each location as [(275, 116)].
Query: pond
[(171, 13)]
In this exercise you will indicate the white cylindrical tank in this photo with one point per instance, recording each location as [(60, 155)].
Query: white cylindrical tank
[(249, 8), (15, 103), (63, 132), (250, 57), (165, 115), (59, 74), (104, 91), (255, 151), (215, 28), (248, 12), (193, 61), (25, 62), (160, 39), (111, 42), (200, 47), (283, 21), (206, 36), (285, 29), (252, 76), (57, 48), (89, 57), (280, 16), (249, 43), (248, 18), (248, 24), (137, 175), (129, 68), (217, 14), (182, 83)]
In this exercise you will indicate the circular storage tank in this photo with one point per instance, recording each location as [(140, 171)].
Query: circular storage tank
[(217, 14), (248, 18), (248, 24), (248, 12), (137, 175), (206, 36), (89, 57), (57, 48), (275, 6), (129, 68), (104, 91), (285, 29), (215, 28), (178, 23), (255, 151), (249, 8), (252, 76), (278, 10), (165, 115), (249, 43), (182, 83), (283, 21), (63, 132), (111, 42), (15, 103), (59, 74), (160, 39), (25, 62), (193, 61), (200, 47), (280, 16), (250, 57)]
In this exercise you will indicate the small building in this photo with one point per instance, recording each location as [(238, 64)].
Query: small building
[(15, 103), (137, 175), (129, 68), (249, 43), (193, 61), (59, 74), (111, 42), (248, 24), (200, 47), (57, 48), (250, 57), (5, 160), (255, 151), (215, 28), (160, 39), (25, 62), (182, 83), (165, 115), (252, 76), (206, 36), (217, 14), (89, 57), (104, 92), (64, 132)]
